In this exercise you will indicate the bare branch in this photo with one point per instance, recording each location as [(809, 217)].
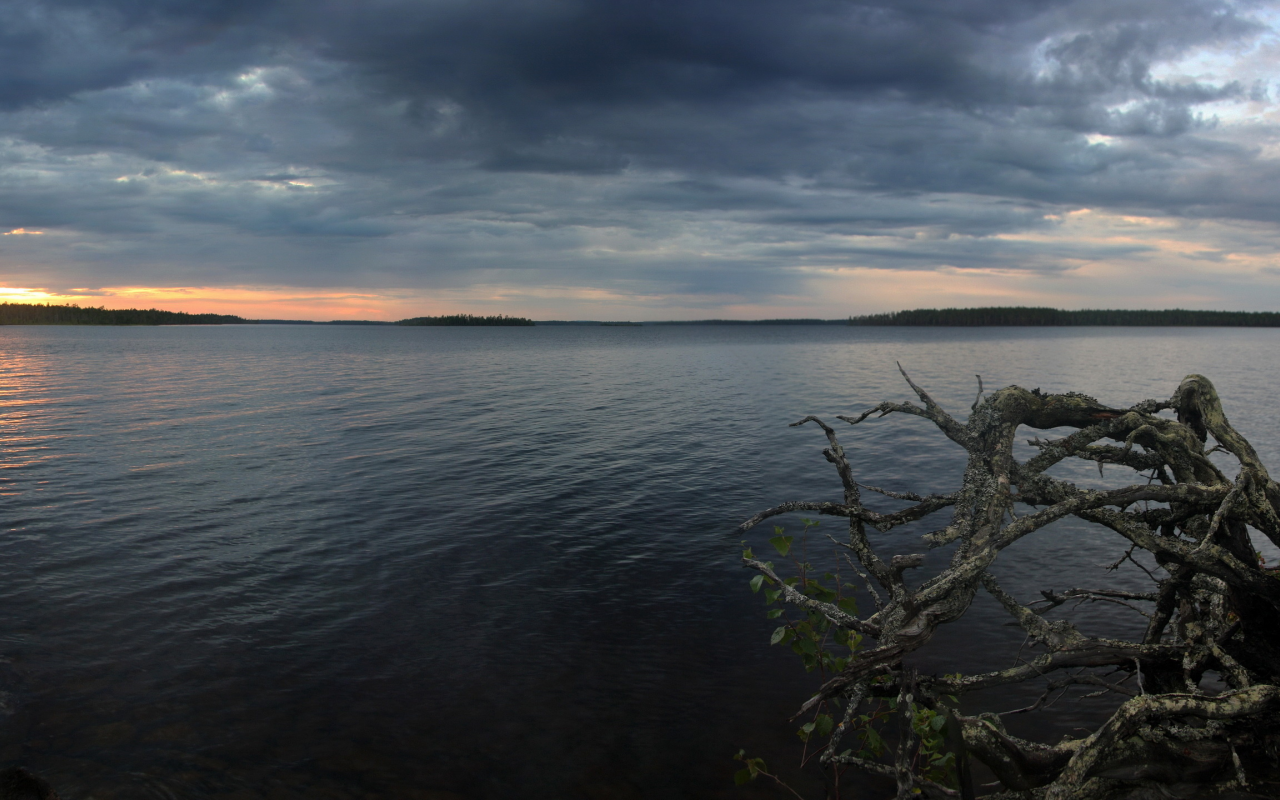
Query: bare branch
[(1057, 635), (945, 422), (829, 509)]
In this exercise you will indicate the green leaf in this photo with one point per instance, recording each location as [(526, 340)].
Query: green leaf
[(748, 554), (823, 724), (782, 544), (742, 776), (774, 614), (779, 635), (771, 595), (938, 722), (756, 582), (873, 740), (848, 605), (821, 592), (779, 530)]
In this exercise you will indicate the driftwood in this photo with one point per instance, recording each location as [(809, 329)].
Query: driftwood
[(1212, 607)]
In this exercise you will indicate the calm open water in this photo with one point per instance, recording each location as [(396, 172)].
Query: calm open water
[(444, 563)]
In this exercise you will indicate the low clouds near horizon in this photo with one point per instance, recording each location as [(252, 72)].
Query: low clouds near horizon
[(641, 160)]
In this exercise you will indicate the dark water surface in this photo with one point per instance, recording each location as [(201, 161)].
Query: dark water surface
[(346, 562)]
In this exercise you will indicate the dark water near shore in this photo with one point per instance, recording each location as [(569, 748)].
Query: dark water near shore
[(344, 562)]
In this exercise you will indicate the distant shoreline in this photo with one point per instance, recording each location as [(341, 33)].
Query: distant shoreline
[(994, 316), (1052, 317), (48, 314), (1009, 316)]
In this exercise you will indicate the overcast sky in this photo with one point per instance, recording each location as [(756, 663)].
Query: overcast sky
[(639, 159)]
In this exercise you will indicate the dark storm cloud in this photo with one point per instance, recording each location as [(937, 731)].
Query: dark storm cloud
[(767, 86), (412, 143), (51, 50)]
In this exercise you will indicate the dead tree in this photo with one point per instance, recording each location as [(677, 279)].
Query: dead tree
[(1212, 608)]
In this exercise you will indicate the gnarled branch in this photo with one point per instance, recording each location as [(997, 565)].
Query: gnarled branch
[(1212, 608)]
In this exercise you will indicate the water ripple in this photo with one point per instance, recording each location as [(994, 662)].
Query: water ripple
[(273, 562)]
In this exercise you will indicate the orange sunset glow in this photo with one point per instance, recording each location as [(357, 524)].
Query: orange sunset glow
[(248, 302)]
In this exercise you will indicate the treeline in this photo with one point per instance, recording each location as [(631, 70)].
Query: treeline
[(1020, 315), (33, 314), (466, 319), (72, 314)]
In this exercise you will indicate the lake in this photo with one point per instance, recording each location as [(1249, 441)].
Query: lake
[(444, 563)]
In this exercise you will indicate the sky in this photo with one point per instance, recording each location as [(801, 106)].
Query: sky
[(639, 159)]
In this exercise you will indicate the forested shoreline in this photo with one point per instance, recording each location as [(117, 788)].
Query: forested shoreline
[(72, 314), (1029, 316), (42, 314)]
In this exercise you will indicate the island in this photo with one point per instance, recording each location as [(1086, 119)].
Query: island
[(466, 319)]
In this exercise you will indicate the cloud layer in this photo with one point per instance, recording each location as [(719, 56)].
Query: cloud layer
[(648, 160)]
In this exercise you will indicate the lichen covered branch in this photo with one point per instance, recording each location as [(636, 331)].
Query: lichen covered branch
[(1213, 608)]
